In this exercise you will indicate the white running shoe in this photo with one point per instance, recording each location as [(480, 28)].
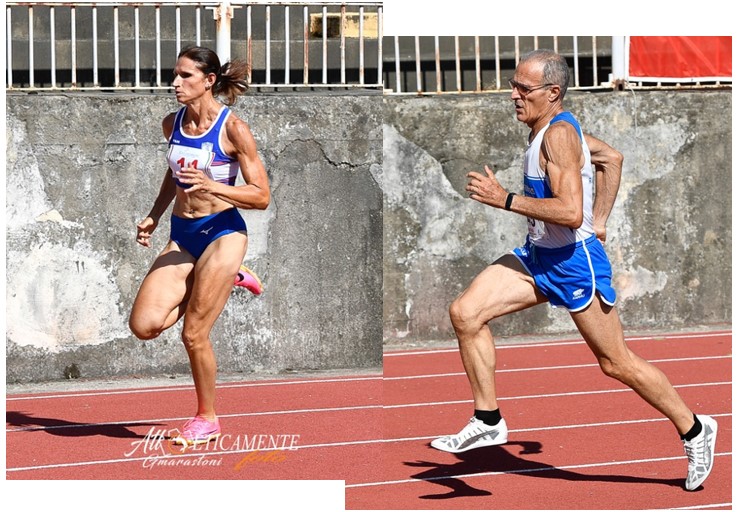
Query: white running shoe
[(700, 452), (476, 434)]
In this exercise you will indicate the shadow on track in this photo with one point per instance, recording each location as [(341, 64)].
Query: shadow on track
[(59, 427), (499, 459)]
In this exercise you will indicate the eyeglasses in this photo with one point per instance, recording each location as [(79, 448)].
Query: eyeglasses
[(523, 89)]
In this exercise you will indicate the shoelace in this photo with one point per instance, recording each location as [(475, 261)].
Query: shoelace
[(693, 450), (689, 452)]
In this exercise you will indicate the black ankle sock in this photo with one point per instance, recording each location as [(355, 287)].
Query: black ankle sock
[(695, 430), (491, 418)]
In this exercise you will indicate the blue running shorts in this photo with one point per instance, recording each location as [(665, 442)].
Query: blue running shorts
[(570, 276), (194, 235)]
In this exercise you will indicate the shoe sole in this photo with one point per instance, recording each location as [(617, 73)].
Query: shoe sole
[(480, 444), (254, 290)]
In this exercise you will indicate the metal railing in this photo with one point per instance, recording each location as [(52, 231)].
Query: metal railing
[(435, 65), (476, 64), (129, 45), (133, 45)]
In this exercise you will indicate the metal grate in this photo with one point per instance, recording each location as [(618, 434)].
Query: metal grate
[(133, 45), (474, 64)]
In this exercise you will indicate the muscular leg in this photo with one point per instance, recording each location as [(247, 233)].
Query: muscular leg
[(163, 294), (600, 326), (213, 282), (502, 288)]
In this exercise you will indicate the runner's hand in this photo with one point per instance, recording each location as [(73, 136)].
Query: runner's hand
[(145, 228), (600, 232), (486, 189), (194, 177)]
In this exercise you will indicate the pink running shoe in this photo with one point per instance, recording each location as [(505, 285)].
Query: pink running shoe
[(249, 280), (198, 430)]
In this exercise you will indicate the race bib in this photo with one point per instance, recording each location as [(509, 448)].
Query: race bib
[(180, 157), (535, 228)]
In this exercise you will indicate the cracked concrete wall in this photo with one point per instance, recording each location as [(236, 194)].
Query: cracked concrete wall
[(82, 170), (669, 235)]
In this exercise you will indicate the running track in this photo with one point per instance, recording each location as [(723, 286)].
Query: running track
[(577, 439)]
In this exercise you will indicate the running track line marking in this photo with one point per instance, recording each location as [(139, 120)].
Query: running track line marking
[(523, 471), (189, 387), (340, 444), (562, 367), (551, 395), (559, 427), (322, 381), (161, 420), (699, 507), (347, 408), (571, 342)]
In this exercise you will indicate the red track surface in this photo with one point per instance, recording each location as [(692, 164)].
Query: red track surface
[(577, 439)]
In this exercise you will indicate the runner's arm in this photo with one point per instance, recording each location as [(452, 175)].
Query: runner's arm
[(255, 193), (167, 190), (562, 158), (608, 164)]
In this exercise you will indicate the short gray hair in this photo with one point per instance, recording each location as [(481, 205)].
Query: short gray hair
[(555, 68)]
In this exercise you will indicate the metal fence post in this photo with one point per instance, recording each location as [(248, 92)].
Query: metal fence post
[(620, 61), (223, 13)]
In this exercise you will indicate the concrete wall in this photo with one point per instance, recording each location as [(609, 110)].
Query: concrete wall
[(669, 236), (82, 170)]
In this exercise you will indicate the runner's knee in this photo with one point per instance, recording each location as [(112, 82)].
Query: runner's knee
[(464, 317), (193, 339), (624, 370), (143, 330)]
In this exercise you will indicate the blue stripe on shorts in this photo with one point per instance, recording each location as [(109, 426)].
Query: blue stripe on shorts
[(570, 276)]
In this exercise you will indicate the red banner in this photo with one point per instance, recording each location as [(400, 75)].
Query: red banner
[(680, 57)]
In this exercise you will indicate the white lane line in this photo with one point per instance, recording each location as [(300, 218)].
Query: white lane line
[(561, 367), (165, 420), (190, 387), (715, 334), (700, 507), (558, 427), (333, 445), (523, 471), (552, 395), (339, 409)]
